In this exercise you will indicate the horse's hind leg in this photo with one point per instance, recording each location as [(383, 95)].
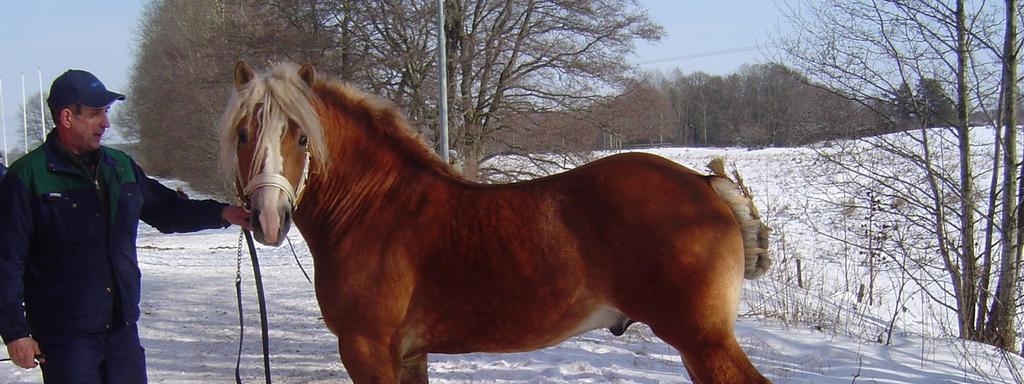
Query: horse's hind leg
[(714, 360), (414, 369), (722, 362)]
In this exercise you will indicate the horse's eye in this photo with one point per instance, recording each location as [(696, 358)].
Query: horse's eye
[(303, 140), (242, 137)]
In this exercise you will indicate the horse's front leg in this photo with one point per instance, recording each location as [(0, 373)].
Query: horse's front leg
[(368, 360)]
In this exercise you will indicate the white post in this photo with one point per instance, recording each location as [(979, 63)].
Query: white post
[(42, 113), (442, 84), (3, 122), (24, 112)]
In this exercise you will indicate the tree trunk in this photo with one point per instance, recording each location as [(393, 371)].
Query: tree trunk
[(1000, 329), (968, 260)]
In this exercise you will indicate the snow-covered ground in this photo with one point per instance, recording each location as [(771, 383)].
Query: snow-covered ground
[(190, 329)]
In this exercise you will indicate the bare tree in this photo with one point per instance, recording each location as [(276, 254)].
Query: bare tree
[(511, 57), (181, 78), (36, 127), (869, 51), (506, 59)]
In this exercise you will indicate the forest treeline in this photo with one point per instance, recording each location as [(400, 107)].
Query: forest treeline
[(760, 105)]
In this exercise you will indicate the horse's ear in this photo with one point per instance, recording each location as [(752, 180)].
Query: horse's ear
[(243, 74), (307, 74)]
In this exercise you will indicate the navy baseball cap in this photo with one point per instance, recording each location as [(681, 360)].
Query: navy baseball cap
[(80, 87)]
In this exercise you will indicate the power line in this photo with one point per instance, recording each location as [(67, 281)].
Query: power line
[(702, 54)]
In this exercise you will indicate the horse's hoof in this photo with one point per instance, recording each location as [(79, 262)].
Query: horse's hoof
[(620, 329)]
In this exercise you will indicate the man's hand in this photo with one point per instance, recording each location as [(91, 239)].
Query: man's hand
[(237, 216), (23, 352)]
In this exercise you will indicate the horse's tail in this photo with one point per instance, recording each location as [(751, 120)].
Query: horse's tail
[(755, 232)]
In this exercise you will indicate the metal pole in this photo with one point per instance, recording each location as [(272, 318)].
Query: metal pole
[(442, 85), (42, 113), (3, 122), (24, 112)]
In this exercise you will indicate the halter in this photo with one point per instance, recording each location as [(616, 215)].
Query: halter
[(278, 181)]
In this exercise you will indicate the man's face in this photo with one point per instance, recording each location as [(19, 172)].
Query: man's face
[(84, 128)]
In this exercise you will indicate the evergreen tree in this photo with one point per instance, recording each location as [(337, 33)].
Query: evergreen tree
[(906, 110), (937, 107)]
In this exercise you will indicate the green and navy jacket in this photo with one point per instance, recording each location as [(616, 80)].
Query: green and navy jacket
[(62, 260)]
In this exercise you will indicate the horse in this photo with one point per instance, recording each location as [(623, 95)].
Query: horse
[(411, 258)]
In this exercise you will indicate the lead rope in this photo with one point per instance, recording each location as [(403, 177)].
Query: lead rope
[(292, 247), (264, 329), (241, 317)]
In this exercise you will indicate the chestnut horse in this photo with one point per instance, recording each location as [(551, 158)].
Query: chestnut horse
[(410, 258)]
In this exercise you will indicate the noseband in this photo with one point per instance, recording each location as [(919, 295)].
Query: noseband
[(278, 181)]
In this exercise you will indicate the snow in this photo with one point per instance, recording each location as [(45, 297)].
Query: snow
[(189, 322)]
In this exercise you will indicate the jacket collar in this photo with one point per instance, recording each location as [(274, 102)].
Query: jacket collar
[(56, 162)]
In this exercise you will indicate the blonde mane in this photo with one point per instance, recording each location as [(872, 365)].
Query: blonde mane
[(382, 117), (277, 99), (282, 96)]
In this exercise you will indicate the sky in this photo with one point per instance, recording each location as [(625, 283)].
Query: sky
[(43, 38), (47, 37), (713, 36)]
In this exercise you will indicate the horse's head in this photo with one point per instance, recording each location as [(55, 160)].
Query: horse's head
[(270, 133)]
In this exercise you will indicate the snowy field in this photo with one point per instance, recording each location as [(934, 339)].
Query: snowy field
[(190, 329)]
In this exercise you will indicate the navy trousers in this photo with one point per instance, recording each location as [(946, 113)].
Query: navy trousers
[(112, 357)]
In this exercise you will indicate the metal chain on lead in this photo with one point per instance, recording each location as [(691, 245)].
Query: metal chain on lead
[(238, 270)]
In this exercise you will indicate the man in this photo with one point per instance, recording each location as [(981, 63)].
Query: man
[(69, 277)]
